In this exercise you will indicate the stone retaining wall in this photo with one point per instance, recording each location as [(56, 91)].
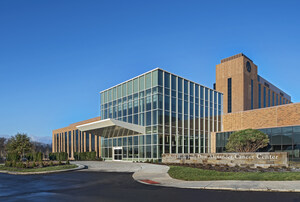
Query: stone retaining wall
[(257, 159)]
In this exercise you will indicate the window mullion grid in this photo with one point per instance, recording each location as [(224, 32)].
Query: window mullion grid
[(170, 115), (217, 113), (194, 117), (199, 121), (151, 122), (176, 129), (204, 127), (189, 125), (212, 99), (163, 113)]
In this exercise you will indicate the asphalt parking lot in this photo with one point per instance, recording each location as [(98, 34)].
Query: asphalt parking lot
[(105, 186)]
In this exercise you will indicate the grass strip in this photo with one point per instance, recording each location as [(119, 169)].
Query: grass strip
[(196, 174), (50, 168)]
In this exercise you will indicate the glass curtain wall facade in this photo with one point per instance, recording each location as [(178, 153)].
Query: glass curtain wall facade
[(178, 115), (282, 139)]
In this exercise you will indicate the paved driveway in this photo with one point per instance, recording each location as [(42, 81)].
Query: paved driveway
[(124, 167), (106, 186), (159, 174), (111, 166)]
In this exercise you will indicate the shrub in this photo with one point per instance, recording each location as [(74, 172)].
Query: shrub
[(38, 156), (14, 164), (62, 156), (13, 156), (41, 164), (34, 164), (20, 165), (29, 156), (52, 156), (68, 162), (51, 163), (85, 156), (59, 162), (27, 164), (8, 163)]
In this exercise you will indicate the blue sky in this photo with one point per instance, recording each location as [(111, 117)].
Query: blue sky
[(56, 56)]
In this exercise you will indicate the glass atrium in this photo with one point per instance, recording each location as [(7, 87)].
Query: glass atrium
[(177, 116)]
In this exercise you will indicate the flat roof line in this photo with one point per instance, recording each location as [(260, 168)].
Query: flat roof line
[(234, 57), (158, 68)]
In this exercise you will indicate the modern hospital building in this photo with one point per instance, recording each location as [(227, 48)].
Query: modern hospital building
[(160, 112)]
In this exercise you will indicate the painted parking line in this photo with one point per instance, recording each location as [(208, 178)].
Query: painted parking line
[(149, 181)]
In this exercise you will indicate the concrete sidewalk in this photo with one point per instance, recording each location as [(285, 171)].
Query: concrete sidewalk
[(145, 173)]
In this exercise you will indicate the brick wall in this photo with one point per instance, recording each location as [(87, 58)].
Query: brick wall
[(278, 116)]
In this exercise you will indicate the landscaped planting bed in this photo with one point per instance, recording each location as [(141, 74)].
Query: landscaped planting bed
[(41, 166)]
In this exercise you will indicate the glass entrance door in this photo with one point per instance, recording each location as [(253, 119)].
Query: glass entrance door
[(117, 153)]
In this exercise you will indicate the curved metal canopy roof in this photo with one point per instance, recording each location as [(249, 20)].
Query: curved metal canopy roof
[(112, 128)]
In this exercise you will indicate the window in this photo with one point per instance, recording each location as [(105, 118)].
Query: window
[(129, 87), (186, 86), (259, 95), (179, 84), (135, 85), (160, 77), (148, 118), (148, 80), (124, 89), (196, 91), (229, 95), (280, 100), (87, 142), (114, 93), (173, 82), (265, 96), (155, 78), (142, 83), (269, 98), (93, 142), (276, 99), (251, 94), (273, 99), (201, 92), (191, 89), (167, 80)]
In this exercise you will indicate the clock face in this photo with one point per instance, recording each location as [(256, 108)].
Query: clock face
[(248, 66)]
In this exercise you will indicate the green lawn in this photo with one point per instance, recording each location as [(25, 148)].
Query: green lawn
[(196, 174), (50, 168)]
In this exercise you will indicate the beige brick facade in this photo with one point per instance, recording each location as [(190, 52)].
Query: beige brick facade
[(60, 139), (277, 116), (235, 67)]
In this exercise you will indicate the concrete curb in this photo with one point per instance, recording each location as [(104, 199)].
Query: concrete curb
[(243, 189), (79, 167)]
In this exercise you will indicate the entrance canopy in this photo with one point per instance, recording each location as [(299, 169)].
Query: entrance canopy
[(112, 128)]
